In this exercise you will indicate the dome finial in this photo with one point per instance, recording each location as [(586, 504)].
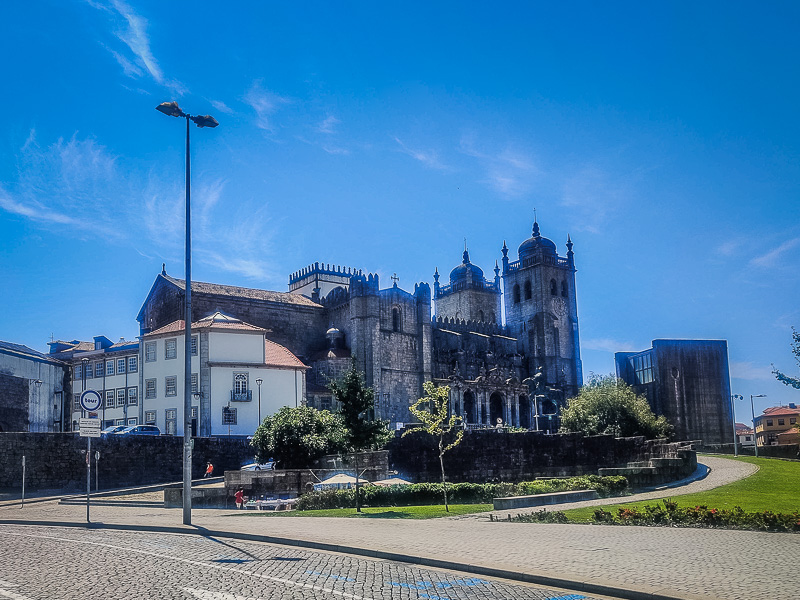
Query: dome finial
[(535, 225), (466, 253)]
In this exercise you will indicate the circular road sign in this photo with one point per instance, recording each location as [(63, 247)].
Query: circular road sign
[(91, 400)]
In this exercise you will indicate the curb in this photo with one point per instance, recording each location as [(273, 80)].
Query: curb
[(557, 582)]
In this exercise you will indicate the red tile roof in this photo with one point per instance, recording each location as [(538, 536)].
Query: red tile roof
[(780, 411), (217, 321), (276, 355)]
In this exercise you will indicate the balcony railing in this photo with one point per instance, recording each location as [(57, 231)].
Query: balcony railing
[(555, 261), (246, 396)]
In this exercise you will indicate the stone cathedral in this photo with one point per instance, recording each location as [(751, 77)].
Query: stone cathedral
[(518, 373)]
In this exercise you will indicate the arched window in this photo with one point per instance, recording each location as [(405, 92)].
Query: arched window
[(480, 316), (528, 292), (553, 288), (564, 289), (396, 319), (516, 294)]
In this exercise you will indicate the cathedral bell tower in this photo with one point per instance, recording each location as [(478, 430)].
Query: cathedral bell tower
[(542, 313)]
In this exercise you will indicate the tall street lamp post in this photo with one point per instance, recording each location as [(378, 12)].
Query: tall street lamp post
[(171, 109), (259, 381), (753, 411), (733, 414)]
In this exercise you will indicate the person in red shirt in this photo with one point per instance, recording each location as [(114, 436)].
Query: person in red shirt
[(209, 470), (239, 496)]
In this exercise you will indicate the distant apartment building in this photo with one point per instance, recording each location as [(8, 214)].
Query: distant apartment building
[(774, 423), (688, 382), (744, 435)]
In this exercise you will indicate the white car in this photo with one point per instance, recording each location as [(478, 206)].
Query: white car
[(267, 466)]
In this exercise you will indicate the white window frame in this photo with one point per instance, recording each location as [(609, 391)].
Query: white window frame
[(150, 417), (150, 352), (121, 361), (133, 396), (171, 421), (133, 420), (121, 394), (171, 381), (170, 348), (195, 383), (99, 368), (119, 422), (147, 389), (133, 364), (109, 367), (195, 344), (110, 399)]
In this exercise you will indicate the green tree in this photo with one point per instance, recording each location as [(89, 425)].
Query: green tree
[(786, 379), (356, 406), (295, 437), (607, 405), (432, 411)]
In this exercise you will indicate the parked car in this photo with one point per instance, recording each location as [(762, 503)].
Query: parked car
[(267, 466), (139, 430), (112, 429)]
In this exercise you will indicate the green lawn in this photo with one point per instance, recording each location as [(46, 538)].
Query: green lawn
[(775, 487), (392, 512)]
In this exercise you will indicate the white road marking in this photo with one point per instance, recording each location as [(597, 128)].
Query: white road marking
[(198, 563), (4, 583), (207, 595)]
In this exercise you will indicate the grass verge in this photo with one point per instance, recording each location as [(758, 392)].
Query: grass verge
[(774, 487), (391, 512)]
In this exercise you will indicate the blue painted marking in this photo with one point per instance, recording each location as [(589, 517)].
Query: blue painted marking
[(423, 585), (567, 597), (432, 597)]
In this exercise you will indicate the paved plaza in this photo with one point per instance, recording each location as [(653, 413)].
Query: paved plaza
[(656, 562)]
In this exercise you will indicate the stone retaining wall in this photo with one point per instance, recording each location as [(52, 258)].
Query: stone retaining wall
[(490, 455), (54, 461)]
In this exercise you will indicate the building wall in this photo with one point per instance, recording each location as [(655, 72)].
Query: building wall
[(247, 347), (470, 305), (690, 387), (118, 388), (25, 406)]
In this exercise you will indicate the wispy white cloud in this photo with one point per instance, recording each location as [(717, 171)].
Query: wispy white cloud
[(728, 248), (508, 171), (328, 125), (264, 103), (750, 371), (131, 30), (771, 258), (221, 106), (607, 345), (593, 196), (77, 188), (429, 158)]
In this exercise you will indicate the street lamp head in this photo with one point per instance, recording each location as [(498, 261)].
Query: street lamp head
[(204, 120), (171, 109), (758, 395), (259, 381), (37, 383)]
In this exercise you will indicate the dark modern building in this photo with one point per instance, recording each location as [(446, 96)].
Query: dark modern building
[(688, 382)]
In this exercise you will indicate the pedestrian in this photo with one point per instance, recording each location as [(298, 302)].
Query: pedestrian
[(239, 496), (209, 470)]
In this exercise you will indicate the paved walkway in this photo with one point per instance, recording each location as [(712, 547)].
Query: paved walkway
[(638, 562)]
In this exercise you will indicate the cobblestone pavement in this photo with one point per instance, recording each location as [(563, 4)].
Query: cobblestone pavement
[(682, 563), (113, 564)]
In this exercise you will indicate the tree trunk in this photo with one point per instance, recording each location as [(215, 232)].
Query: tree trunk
[(444, 483), (358, 497)]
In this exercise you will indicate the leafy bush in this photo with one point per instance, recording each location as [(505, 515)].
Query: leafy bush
[(420, 494), (668, 513), (541, 516)]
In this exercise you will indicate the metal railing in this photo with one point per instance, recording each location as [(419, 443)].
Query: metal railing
[(245, 396)]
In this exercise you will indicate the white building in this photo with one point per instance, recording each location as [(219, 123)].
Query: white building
[(229, 360), (112, 369), (744, 435)]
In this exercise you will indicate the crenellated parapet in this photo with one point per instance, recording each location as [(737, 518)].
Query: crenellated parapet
[(322, 269), (464, 326), (422, 292), (364, 285)]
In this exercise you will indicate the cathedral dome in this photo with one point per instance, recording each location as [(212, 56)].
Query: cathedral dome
[(533, 244), (466, 270)]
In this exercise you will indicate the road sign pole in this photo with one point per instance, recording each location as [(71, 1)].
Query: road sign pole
[(88, 474), (23, 481)]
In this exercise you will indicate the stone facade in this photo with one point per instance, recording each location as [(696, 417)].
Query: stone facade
[(688, 382)]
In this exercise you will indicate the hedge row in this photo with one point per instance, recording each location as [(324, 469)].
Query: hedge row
[(420, 494)]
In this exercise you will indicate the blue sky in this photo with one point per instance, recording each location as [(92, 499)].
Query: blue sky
[(663, 137)]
